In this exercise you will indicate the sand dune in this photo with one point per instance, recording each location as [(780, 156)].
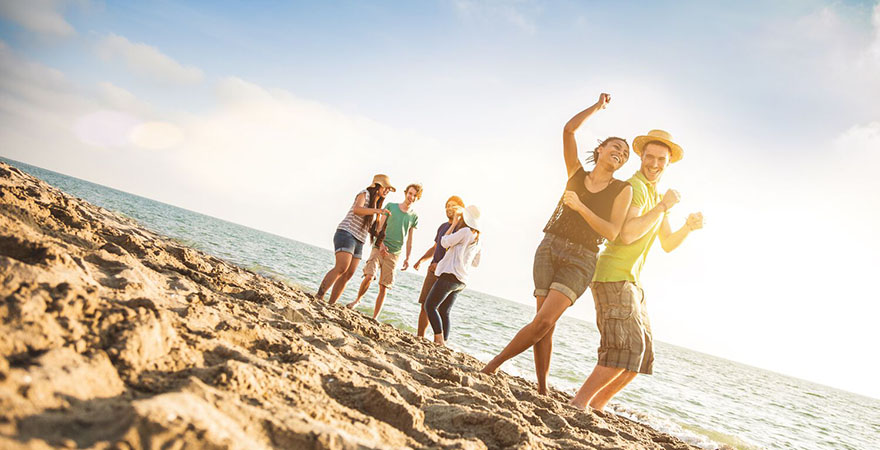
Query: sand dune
[(115, 337)]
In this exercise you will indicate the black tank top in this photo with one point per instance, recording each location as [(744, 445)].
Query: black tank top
[(567, 223)]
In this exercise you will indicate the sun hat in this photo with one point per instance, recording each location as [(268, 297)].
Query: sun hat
[(383, 181), (471, 216), (675, 151)]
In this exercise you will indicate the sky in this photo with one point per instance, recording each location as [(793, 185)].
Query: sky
[(274, 115)]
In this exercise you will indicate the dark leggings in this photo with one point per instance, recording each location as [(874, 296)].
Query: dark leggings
[(439, 302)]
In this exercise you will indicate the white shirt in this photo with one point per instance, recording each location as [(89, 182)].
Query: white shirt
[(462, 251)]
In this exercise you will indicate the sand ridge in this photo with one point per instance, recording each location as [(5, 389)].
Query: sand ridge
[(112, 336)]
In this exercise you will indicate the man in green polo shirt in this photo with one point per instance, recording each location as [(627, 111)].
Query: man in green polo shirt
[(399, 225), (626, 346)]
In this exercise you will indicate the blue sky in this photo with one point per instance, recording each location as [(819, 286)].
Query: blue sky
[(256, 112)]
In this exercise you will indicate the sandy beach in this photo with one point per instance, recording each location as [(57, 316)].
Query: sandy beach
[(115, 337)]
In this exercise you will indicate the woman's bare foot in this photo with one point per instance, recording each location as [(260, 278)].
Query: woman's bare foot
[(489, 369), (352, 304)]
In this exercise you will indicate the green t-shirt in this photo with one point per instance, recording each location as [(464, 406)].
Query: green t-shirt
[(399, 224), (622, 262)]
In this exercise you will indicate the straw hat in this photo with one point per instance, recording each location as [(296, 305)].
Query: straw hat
[(471, 216), (383, 181), (675, 151)]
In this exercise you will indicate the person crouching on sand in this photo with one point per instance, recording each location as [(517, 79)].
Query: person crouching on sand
[(436, 253), (351, 234), (462, 244), (398, 225), (592, 209)]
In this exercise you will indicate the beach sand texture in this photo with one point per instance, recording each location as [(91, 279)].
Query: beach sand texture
[(115, 337)]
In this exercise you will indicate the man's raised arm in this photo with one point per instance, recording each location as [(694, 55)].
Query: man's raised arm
[(670, 241)]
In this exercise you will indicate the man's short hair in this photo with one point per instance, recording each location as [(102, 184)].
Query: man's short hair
[(417, 187), (455, 199), (665, 145)]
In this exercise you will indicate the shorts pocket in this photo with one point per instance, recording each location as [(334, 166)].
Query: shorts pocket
[(617, 312), (618, 324)]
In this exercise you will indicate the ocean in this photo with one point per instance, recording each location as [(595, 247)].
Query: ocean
[(702, 399)]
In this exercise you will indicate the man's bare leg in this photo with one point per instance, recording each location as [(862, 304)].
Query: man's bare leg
[(554, 305), (601, 377), (611, 389), (365, 284), (379, 300), (340, 283), (423, 321)]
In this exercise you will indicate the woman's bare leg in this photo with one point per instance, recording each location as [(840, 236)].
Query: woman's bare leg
[(342, 261), (554, 305), (543, 351), (340, 283)]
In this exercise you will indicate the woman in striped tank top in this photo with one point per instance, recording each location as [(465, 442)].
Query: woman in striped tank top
[(358, 224)]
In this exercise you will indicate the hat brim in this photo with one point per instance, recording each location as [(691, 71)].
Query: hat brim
[(470, 220), (675, 151)]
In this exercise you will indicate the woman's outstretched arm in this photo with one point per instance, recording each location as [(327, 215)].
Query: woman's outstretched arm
[(569, 145)]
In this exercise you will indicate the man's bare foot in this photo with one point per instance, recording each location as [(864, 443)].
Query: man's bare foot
[(487, 371), (590, 408), (352, 304)]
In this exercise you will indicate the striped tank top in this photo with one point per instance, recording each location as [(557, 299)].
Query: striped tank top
[(354, 223)]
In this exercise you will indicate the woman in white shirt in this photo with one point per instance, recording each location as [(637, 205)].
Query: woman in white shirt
[(462, 244)]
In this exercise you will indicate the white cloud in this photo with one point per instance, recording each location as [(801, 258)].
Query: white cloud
[(40, 16), (871, 56), (829, 49), (148, 61), (43, 112), (121, 99), (516, 12)]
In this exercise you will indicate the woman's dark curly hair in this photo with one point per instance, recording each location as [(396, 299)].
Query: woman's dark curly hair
[(373, 201)]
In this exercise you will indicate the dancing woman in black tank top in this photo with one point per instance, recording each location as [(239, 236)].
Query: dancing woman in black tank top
[(592, 209)]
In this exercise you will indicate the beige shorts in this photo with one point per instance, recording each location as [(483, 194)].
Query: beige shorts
[(622, 318), (385, 265)]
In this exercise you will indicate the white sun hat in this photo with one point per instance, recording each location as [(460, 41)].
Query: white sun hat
[(471, 216)]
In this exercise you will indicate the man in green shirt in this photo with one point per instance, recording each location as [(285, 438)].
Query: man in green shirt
[(626, 346), (401, 222)]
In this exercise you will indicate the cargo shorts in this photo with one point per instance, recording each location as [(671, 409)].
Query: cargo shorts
[(622, 318), (384, 264)]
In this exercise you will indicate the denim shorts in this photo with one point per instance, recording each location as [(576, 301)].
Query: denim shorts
[(343, 241), (563, 266)]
